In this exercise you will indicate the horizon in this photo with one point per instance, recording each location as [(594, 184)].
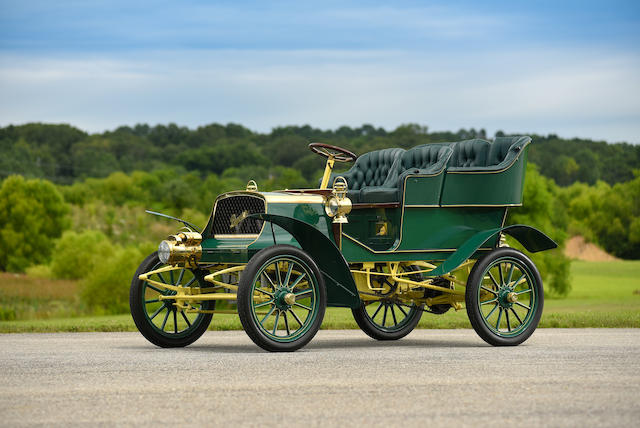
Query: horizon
[(569, 69), (489, 136)]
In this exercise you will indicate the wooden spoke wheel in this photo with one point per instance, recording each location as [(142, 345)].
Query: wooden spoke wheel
[(388, 318), (281, 298), (154, 312), (504, 297)]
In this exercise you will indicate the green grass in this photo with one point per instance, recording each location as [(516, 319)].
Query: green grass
[(604, 294)]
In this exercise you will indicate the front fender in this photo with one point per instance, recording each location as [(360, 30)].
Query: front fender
[(531, 238), (341, 289)]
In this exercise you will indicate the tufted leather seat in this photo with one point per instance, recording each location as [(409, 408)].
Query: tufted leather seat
[(469, 154), (481, 155), (379, 176), (370, 170), (486, 174), (504, 150), (426, 159)]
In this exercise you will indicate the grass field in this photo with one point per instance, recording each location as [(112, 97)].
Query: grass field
[(604, 294)]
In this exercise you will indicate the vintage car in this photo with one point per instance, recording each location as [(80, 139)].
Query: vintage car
[(401, 233)]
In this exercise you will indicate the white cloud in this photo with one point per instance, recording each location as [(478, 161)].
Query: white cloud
[(572, 93)]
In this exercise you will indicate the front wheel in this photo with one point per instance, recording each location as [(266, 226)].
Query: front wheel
[(281, 298), (154, 313), (504, 297)]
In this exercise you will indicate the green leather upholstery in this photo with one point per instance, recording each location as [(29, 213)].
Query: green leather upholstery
[(486, 174), (481, 155), (469, 154), (504, 150), (379, 176), (370, 170), (426, 159)]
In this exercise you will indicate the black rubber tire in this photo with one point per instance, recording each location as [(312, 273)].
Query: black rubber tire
[(374, 331), (245, 298), (143, 323), (472, 291)]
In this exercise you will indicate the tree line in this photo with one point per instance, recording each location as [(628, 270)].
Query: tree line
[(64, 154)]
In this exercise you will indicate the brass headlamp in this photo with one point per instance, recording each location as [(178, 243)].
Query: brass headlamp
[(337, 205), (181, 247)]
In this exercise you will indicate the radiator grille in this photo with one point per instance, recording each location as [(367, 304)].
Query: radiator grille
[(230, 210)]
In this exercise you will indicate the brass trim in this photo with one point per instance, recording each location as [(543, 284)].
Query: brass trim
[(238, 236), (252, 186), (290, 298), (294, 198), (387, 205), (504, 217)]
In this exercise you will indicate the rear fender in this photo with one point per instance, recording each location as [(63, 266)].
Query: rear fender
[(341, 289), (531, 238)]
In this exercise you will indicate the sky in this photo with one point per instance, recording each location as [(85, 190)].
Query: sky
[(570, 68)]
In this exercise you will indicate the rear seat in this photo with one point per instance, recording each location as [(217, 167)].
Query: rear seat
[(481, 155), (481, 173)]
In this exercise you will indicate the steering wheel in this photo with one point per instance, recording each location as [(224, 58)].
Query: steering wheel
[(332, 152)]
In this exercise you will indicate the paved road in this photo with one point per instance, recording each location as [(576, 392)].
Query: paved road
[(432, 378)]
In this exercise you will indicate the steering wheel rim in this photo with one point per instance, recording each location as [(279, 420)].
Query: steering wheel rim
[(337, 153)]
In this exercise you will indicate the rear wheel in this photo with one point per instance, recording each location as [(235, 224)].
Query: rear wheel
[(504, 297), (156, 317), (281, 298), (388, 318)]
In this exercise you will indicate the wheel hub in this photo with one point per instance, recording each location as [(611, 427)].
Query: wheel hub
[(284, 299), (507, 297)]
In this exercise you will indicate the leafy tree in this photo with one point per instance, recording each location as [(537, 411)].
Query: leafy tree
[(77, 254), (32, 215)]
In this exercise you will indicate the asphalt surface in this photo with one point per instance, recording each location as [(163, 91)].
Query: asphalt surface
[(571, 377)]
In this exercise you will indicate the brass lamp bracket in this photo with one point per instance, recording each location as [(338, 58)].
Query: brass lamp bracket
[(252, 186)]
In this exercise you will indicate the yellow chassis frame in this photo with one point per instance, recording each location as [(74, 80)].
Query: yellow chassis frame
[(407, 289)]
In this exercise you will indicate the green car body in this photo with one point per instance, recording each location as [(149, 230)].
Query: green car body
[(431, 223)]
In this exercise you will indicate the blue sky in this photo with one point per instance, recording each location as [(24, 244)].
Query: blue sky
[(571, 68)]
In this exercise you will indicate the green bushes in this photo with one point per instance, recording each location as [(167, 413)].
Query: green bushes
[(77, 254), (607, 215), (104, 269), (32, 215), (105, 289)]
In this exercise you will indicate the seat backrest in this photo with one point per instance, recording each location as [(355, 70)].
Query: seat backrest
[(499, 149), (470, 153), (371, 169), (418, 158), (422, 157), (504, 150)]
